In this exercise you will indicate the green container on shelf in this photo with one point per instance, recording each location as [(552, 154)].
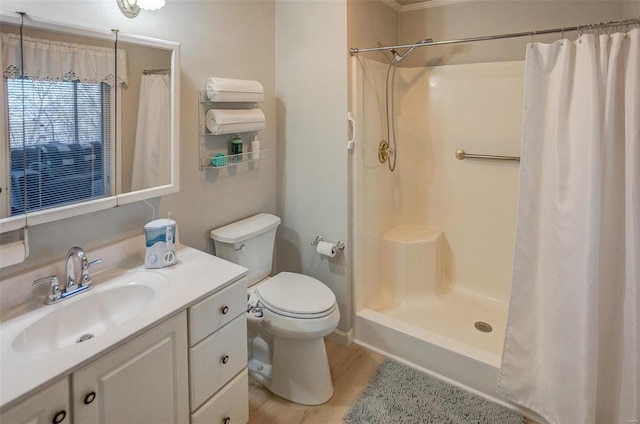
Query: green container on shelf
[(219, 159), (236, 148)]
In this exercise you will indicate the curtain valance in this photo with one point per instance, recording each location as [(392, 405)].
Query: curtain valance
[(49, 60)]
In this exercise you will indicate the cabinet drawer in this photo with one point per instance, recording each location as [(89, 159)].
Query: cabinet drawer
[(230, 406), (215, 311), (216, 359)]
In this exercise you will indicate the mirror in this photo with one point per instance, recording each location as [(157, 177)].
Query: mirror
[(127, 151)]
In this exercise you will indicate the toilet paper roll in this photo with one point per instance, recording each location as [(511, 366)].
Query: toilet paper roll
[(326, 249)]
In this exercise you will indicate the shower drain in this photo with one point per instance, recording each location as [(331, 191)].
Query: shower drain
[(483, 326)]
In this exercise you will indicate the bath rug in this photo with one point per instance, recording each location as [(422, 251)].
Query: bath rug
[(398, 394)]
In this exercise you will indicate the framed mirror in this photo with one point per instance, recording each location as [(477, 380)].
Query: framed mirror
[(90, 120)]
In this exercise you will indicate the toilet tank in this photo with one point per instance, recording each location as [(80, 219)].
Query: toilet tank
[(249, 243)]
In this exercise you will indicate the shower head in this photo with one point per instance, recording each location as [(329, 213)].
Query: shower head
[(397, 58)]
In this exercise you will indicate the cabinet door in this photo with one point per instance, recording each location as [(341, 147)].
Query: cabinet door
[(143, 381), (50, 405)]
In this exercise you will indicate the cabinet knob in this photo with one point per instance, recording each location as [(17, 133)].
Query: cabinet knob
[(90, 397), (227, 420), (225, 359), (59, 417), (224, 310)]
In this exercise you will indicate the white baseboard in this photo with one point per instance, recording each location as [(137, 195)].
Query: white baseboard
[(345, 338)]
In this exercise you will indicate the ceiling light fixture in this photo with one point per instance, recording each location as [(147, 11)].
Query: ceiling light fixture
[(131, 8)]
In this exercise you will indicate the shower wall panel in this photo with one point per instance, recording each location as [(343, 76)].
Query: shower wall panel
[(475, 107), (478, 108)]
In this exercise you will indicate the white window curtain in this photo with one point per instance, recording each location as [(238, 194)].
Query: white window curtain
[(152, 152), (61, 61), (572, 346)]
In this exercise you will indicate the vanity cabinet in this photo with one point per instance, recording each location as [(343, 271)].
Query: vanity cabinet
[(218, 378), (185, 361), (143, 381), (50, 405)]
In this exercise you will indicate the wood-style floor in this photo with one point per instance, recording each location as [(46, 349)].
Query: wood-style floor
[(351, 368)]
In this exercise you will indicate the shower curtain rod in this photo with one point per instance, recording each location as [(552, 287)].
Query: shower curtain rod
[(580, 28)]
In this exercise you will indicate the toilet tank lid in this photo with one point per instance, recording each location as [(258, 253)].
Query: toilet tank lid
[(245, 228)]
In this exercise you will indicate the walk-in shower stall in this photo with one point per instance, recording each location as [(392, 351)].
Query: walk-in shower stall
[(437, 249), (434, 239)]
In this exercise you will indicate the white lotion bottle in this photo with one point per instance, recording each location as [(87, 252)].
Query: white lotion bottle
[(255, 147)]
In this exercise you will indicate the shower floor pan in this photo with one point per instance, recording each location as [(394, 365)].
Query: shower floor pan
[(438, 333)]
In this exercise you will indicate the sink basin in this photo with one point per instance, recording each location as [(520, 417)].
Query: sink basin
[(79, 319)]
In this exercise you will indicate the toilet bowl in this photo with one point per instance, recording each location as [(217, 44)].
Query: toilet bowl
[(288, 315)]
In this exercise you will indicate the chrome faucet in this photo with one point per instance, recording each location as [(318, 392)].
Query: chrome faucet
[(77, 279)]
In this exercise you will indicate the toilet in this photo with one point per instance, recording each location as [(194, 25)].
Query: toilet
[(287, 314)]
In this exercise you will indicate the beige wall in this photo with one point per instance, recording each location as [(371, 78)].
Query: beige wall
[(479, 18), (218, 38), (631, 8), (372, 22), (311, 91)]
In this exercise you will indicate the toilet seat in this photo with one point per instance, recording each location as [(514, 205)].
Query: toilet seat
[(296, 296)]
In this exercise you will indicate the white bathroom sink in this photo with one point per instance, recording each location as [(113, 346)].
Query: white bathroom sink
[(38, 342), (87, 315)]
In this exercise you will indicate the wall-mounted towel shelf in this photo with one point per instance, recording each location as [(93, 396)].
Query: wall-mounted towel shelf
[(219, 158)]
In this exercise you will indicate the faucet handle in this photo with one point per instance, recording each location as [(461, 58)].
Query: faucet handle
[(54, 290), (97, 261), (86, 278)]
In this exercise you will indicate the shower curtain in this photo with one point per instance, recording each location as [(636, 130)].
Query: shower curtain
[(152, 152), (572, 348)]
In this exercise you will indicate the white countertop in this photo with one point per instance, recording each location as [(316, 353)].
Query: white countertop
[(196, 275)]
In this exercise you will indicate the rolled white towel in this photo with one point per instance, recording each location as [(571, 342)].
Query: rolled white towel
[(228, 121), (234, 90)]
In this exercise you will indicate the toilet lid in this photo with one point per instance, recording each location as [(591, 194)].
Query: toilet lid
[(297, 294)]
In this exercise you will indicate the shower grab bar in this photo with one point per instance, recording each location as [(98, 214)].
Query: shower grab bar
[(461, 155)]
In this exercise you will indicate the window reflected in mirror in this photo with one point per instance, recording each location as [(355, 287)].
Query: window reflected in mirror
[(59, 142)]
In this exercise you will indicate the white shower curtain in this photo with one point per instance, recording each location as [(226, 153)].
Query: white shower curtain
[(152, 153), (572, 346)]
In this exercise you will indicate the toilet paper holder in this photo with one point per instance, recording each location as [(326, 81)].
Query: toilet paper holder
[(339, 245)]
